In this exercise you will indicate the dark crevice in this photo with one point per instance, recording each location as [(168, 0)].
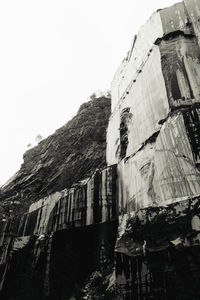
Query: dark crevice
[(124, 120)]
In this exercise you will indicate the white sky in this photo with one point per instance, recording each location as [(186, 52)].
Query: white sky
[(53, 56)]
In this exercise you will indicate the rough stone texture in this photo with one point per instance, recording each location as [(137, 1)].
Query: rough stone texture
[(160, 74), (158, 85), (157, 251), (49, 252), (71, 154), (145, 203)]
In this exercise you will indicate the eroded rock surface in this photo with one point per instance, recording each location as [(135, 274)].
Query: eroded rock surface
[(156, 105), (131, 228), (71, 154)]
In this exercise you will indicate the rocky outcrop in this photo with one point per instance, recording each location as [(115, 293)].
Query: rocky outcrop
[(131, 230), (156, 105), (157, 252), (50, 251), (54, 164)]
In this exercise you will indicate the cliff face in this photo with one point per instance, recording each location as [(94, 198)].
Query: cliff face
[(156, 105), (50, 252), (131, 230), (54, 164)]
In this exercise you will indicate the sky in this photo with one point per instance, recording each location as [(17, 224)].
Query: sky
[(54, 54)]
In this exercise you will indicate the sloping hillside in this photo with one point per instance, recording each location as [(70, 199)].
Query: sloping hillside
[(71, 154)]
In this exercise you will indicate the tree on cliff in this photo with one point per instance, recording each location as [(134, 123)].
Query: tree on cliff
[(38, 138), (93, 96), (99, 93)]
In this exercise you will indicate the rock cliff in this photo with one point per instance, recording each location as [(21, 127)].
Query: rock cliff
[(54, 164), (128, 228), (156, 105)]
